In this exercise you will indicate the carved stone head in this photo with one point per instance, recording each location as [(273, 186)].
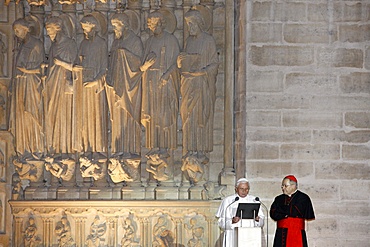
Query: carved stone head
[(21, 28)]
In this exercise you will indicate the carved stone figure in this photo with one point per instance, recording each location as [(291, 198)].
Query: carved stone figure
[(97, 231), (193, 169), (63, 233), (58, 93), (212, 191), (124, 88), (29, 169), (197, 237), (129, 230), (3, 51), (92, 168), (157, 165), (117, 171), (2, 166), (31, 238), (160, 87), (17, 189), (62, 169), (198, 65), (124, 170), (196, 233), (162, 237), (93, 54), (3, 114), (26, 120)]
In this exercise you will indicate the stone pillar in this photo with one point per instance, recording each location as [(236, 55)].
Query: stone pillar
[(240, 91), (179, 231), (227, 174), (18, 231), (48, 229), (112, 232), (80, 231)]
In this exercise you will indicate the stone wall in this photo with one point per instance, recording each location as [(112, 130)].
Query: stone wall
[(308, 108), (301, 106)]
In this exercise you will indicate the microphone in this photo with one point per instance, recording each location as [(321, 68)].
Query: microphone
[(267, 220), (235, 200)]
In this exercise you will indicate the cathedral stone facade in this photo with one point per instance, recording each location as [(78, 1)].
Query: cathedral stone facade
[(125, 123)]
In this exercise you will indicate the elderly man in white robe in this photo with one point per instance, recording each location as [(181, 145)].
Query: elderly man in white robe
[(226, 213)]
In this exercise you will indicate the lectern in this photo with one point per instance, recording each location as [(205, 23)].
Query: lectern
[(248, 235)]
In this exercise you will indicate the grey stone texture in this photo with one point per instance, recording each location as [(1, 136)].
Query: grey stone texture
[(308, 111), (301, 107)]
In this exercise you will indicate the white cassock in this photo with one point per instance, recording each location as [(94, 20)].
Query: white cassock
[(224, 218)]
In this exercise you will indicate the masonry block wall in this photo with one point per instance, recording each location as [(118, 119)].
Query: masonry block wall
[(308, 110)]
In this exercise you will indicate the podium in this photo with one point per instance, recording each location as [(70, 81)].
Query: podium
[(248, 235)]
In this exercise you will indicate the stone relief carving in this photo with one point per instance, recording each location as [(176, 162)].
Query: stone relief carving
[(58, 92), (157, 166), (124, 88), (124, 170), (87, 103), (192, 169), (162, 235), (63, 232), (2, 211), (129, 232), (37, 2), (92, 168), (198, 64), (2, 165), (17, 189), (26, 120), (63, 169), (31, 236), (95, 224), (3, 51), (29, 169), (160, 87), (212, 191), (93, 54), (97, 231), (196, 232), (2, 111)]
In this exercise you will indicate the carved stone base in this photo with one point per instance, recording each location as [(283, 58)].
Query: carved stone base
[(36, 193), (108, 222), (150, 191), (195, 192), (116, 193), (68, 193), (100, 193), (184, 192), (84, 193), (166, 193), (133, 193)]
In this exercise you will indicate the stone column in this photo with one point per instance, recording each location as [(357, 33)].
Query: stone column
[(47, 231), (227, 174), (80, 231), (179, 231), (112, 232), (18, 231)]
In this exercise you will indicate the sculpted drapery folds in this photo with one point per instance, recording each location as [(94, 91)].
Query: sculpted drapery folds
[(3, 50), (124, 88), (58, 94), (160, 87), (198, 65), (93, 54), (26, 120)]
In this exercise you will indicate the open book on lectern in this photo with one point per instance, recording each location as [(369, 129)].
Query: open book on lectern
[(247, 210)]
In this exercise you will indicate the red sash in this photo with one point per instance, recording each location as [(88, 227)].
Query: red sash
[(294, 226)]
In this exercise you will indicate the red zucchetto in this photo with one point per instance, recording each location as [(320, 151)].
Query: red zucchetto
[(292, 178)]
